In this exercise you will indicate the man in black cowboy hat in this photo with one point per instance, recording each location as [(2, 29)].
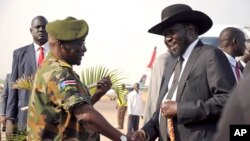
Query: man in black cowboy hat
[(196, 80)]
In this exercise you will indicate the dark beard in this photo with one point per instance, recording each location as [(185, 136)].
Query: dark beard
[(174, 54), (178, 53)]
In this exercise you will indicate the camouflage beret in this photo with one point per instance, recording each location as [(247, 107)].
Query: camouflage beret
[(68, 29)]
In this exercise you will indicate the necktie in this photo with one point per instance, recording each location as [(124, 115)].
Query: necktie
[(169, 122), (237, 70), (177, 72), (41, 56), (241, 66)]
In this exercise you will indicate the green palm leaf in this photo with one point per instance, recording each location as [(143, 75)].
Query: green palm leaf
[(24, 82), (94, 74)]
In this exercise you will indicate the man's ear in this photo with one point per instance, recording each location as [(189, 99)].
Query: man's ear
[(234, 41), (60, 43), (30, 30), (190, 29)]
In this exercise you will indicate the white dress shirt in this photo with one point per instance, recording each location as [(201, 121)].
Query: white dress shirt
[(37, 50), (185, 56), (135, 104)]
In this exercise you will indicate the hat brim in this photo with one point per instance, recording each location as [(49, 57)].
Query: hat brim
[(203, 22)]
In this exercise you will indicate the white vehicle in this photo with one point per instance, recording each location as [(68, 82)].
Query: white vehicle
[(210, 40), (216, 29), (111, 94), (212, 35)]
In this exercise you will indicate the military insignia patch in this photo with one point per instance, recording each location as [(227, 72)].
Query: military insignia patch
[(67, 83)]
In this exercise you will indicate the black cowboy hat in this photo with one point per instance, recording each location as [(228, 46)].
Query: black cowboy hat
[(181, 13)]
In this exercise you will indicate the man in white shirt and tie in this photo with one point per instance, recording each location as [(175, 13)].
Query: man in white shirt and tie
[(25, 62), (232, 43)]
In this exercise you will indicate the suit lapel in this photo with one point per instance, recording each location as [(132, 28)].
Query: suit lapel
[(31, 55), (168, 70), (191, 61)]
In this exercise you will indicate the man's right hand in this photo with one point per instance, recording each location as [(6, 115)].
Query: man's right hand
[(138, 136), (9, 127)]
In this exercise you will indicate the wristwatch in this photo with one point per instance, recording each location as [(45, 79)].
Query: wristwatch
[(123, 138)]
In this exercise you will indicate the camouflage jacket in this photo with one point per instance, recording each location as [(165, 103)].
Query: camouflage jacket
[(56, 90)]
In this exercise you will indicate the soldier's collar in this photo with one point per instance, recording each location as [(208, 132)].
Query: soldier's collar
[(64, 64), (61, 62)]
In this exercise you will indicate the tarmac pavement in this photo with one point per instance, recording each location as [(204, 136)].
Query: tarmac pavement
[(108, 109)]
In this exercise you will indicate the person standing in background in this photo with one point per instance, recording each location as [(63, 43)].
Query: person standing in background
[(121, 105), (236, 111), (246, 57), (3, 100), (25, 62), (246, 70), (135, 109), (154, 85), (232, 43)]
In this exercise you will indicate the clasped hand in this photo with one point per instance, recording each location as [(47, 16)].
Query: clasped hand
[(104, 85), (169, 108)]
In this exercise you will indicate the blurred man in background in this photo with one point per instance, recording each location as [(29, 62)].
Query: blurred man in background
[(121, 105), (135, 109), (246, 57), (154, 85), (232, 43), (3, 100), (25, 62)]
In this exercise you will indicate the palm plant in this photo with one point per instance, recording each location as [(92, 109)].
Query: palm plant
[(24, 82), (94, 74)]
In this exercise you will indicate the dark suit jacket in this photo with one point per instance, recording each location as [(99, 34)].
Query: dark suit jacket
[(4, 95), (203, 90), (236, 110), (24, 63)]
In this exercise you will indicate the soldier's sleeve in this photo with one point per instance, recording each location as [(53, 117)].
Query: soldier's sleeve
[(67, 91)]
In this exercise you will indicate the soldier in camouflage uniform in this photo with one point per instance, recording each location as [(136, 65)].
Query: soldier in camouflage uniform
[(60, 106)]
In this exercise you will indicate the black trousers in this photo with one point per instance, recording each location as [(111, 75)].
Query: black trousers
[(133, 124)]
